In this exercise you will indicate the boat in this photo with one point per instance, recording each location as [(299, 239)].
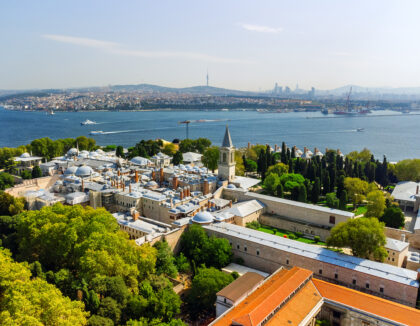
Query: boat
[(51, 112), (324, 111), (360, 129), (88, 122), (96, 132)]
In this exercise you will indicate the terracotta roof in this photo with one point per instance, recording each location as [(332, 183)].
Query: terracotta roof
[(270, 295), (241, 286), (368, 303)]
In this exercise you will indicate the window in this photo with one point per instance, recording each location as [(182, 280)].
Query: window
[(393, 259), (258, 252), (287, 261), (354, 281), (367, 285), (320, 272), (381, 289), (245, 248), (336, 276), (237, 247), (224, 300), (336, 314), (332, 219), (224, 157)]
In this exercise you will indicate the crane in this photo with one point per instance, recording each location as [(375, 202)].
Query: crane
[(187, 122)]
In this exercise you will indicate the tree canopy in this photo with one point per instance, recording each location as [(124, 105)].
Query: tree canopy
[(393, 217), (211, 157), (364, 236), (375, 204), (408, 170)]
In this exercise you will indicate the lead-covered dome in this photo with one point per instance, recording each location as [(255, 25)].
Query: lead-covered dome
[(84, 171), (203, 218)]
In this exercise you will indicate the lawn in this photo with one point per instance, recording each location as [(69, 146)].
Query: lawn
[(282, 233)]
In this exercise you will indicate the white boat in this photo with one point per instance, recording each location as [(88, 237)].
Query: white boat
[(96, 132), (51, 112), (88, 122), (360, 129)]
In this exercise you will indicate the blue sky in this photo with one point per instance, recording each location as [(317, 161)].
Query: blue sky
[(244, 44)]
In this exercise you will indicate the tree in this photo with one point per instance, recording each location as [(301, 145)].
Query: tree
[(251, 165), (340, 185), (239, 166), (393, 217), (36, 172), (109, 309), (332, 200), (177, 159), (165, 261), (279, 191), (302, 196), (119, 151), (205, 285), (182, 263), (408, 170), (278, 168), (96, 320), (271, 182), (6, 181), (26, 174), (26, 301), (315, 191), (343, 200), (291, 180), (375, 204), (356, 189), (211, 157), (364, 236), (169, 149), (10, 205), (363, 156)]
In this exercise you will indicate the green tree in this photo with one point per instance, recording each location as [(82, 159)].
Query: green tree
[(332, 200), (36, 172), (364, 236), (177, 159), (315, 191), (363, 156), (393, 217), (205, 285), (280, 191), (408, 170), (356, 189), (291, 180), (271, 182), (251, 165), (26, 301), (278, 169), (109, 309), (10, 205), (302, 197), (165, 261), (210, 158), (6, 181), (375, 204), (26, 174), (169, 149), (182, 263), (343, 200), (119, 151), (96, 320)]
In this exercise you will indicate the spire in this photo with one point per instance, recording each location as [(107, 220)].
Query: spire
[(227, 141)]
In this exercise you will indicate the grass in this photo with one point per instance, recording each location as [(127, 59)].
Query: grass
[(282, 233)]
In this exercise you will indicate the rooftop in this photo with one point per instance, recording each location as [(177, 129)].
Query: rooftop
[(386, 271), (235, 290)]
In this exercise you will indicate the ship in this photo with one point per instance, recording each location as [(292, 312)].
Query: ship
[(88, 122), (96, 132), (360, 129)]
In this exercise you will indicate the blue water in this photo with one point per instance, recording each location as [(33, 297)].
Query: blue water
[(393, 134)]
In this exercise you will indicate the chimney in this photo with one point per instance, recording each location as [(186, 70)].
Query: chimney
[(230, 203), (417, 190), (171, 201), (181, 194), (189, 191), (123, 185), (135, 215), (249, 145), (175, 182), (119, 172), (185, 191), (161, 176), (403, 237), (83, 185), (136, 176), (129, 187), (275, 147), (326, 150), (315, 150), (305, 150), (153, 175), (206, 189)]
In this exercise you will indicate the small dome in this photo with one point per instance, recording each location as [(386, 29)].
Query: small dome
[(203, 218), (25, 155), (231, 186), (72, 152), (84, 171), (139, 160), (70, 170), (151, 184)]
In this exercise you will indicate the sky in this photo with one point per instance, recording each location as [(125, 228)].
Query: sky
[(244, 44)]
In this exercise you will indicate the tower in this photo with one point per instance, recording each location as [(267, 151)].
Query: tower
[(226, 169), (207, 78)]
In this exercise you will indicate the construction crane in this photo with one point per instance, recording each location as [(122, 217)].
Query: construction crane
[(187, 123), (348, 99)]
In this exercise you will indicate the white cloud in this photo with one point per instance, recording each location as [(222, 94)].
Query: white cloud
[(261, 28), (119, 49)]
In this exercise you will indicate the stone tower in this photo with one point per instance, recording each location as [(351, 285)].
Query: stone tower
[(227, 158)]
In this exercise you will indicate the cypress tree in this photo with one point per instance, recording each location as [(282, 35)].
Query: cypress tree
[(343, 200), (302, 194), (289, 155), (340, 185), (295, 193), (267, 157), (290, 166), (293, 152), (315, 191), (326, 184)]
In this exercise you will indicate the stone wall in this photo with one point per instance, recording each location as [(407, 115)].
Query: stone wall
[(32, 185), (413, 238)]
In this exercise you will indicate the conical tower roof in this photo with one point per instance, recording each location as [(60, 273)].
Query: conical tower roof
[(227, 141)]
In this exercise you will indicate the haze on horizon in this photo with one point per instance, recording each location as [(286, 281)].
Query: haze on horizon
[(246, 45)]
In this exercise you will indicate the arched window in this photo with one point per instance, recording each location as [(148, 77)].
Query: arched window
[(224, 157)]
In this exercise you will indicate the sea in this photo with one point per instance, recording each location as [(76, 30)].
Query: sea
[(389, 133)]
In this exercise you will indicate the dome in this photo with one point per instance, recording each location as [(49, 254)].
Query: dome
[(231, 186), (70, 170), (151, 184), (72, 152), (203, 218), (84, 171), (25, 155), (139, 160)]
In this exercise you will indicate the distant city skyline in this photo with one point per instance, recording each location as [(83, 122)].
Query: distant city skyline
[(245, 45)]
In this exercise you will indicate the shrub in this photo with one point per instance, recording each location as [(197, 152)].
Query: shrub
[(235, 275), (292, 236), (317, 239)]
